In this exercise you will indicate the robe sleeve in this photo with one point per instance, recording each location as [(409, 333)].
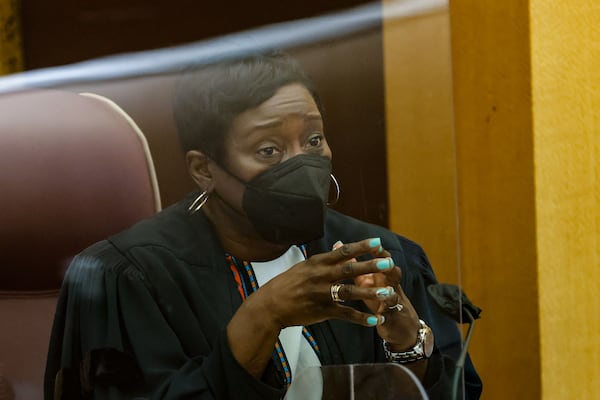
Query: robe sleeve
[(417, 275), (113, 338)]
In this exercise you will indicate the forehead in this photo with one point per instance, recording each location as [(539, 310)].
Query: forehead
[(289, 100)]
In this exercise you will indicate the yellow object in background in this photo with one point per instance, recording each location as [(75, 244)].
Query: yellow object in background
[(11, 54), (523, 95)]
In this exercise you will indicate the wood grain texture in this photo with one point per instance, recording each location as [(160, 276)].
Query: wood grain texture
[(565, 59), (496, 192), (420, 138), (11, 54)]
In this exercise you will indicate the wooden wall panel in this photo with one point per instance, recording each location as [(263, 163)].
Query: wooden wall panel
[(420, 136), (493, 128), (565, 59), (527, 94), (11, 55)]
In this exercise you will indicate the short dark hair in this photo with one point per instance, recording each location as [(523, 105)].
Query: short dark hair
[(208, 98)]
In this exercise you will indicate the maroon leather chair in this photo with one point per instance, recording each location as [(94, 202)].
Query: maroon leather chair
[(73, 170)]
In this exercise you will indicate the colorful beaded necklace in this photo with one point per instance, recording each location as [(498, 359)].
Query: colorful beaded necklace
[(244, 276)]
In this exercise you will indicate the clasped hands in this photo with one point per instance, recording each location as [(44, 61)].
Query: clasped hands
[(311, 292)]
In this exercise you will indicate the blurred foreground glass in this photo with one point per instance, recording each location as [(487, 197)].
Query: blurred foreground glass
[(384, 74), (358, 382)]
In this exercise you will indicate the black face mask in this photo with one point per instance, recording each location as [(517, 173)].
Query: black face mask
[(286, 203)]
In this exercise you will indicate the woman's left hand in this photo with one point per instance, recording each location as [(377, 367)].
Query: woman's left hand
[(401, 326)]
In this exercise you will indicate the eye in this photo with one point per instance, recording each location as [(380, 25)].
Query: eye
[(268, 151), (315, 140)]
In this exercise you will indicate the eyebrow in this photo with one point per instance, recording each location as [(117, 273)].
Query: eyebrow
[(277, 121)]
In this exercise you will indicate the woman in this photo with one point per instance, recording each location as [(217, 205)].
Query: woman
[(232, 292)]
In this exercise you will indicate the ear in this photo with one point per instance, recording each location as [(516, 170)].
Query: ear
[(197, 165)]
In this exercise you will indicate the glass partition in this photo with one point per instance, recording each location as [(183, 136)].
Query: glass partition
[(383, 74), (357, 381)]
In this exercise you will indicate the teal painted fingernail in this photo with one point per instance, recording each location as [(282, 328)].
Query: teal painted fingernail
[(376, 242), (384, 264), (383, 292), (380, 249), (372, 320), (382, 320)]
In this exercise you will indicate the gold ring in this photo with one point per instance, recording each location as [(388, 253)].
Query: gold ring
[(335, 293)]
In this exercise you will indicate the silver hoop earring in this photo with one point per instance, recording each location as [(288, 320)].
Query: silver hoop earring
[(198, 202), (337, 190)]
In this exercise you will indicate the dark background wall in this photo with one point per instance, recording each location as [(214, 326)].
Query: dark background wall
[(348, 72), (65, 31)]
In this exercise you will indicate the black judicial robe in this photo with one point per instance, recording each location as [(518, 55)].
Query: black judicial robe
[(144, 315)]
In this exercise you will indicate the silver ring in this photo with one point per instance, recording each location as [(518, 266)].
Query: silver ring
[(398, 307), (335, 293)]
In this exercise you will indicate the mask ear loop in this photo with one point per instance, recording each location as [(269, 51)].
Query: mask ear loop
[(337, 190)]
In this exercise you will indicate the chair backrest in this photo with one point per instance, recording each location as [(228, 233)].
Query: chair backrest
[(73, 169)]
